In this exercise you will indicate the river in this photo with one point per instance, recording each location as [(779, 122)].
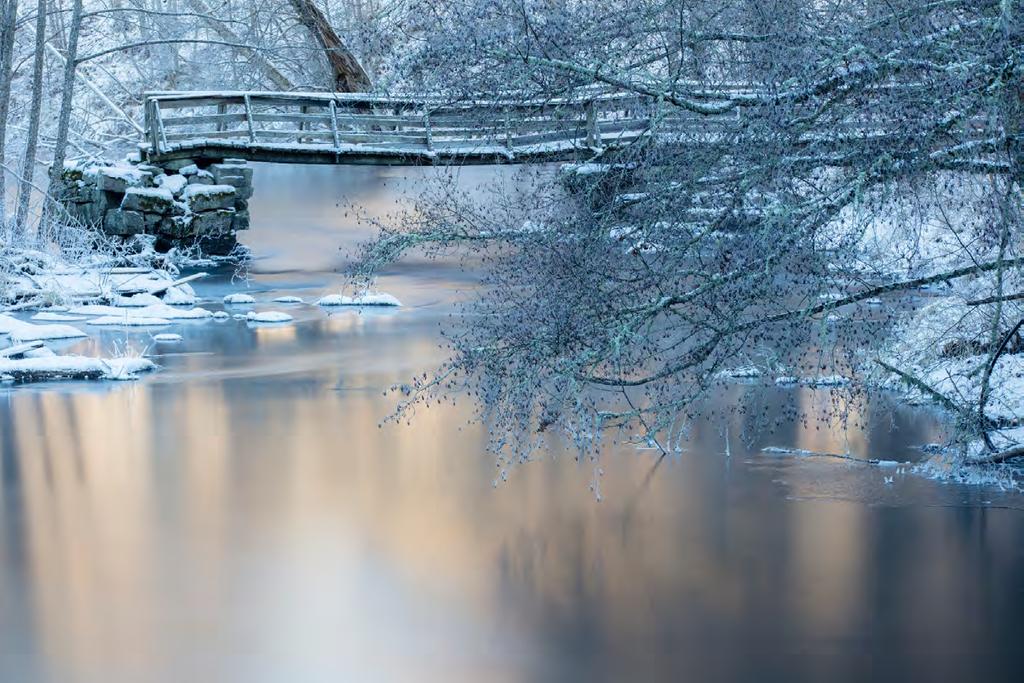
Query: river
[(241, 515)]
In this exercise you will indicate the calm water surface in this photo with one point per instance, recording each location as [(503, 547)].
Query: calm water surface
[(240, 516)]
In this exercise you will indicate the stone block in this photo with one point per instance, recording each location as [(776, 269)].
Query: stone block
[(235, 175), (134, 222), (209, 197), (120, 178), (201, 178), (216, 222), (113, 223), (177, 165), (240, 221), (176, 227), (148, 200), (175, 183), (152, 221)]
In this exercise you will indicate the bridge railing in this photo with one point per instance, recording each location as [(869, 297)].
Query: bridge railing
[(343, 122)]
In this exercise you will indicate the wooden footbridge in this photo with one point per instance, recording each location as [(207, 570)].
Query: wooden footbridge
[(342, 128)]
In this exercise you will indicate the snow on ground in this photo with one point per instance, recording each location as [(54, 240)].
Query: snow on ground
[(268, 317), (21, 331), (77, 284), (364, 299)]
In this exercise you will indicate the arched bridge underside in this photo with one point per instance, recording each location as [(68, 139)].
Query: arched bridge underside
[(337, 128)]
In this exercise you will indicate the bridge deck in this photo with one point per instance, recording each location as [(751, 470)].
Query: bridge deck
[(335, 128)]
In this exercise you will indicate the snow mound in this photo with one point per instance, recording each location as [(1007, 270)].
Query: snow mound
[(365, 299), (221, 315), (167, 338), (135, 301), (288, 300), (239, 299), (127, 368), (268, 317), (180, 295)]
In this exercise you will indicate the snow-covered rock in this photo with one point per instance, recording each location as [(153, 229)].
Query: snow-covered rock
[(73, 367), (173, 183), (365, 299), (221, 315), (288, 300), (135, 301), (268, 317), (167, 338), (238, 299), (180, 295), (209, 197)]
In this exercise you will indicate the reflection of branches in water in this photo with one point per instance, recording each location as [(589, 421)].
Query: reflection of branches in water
[(629, 507)]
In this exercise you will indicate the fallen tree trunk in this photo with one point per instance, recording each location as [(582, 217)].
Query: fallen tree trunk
[(348, 74)]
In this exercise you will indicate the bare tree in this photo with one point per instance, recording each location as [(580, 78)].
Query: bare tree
[(67, 99), (8, 19), (35, 112)]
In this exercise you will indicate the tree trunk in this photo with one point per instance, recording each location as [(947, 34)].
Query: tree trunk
[(1013, 97), (348, 73), (8, 16), (67, 95), (32, 138)]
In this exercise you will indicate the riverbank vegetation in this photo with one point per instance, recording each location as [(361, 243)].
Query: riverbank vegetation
[(843, 196)]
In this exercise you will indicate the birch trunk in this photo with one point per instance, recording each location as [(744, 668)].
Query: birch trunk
[(67, 96), (8, 15), (32, 138)]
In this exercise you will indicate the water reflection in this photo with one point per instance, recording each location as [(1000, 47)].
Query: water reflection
[(241, 516)]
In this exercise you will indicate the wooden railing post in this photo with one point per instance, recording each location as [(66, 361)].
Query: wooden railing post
[(149, 124), (160, 125), (593, 136), (334, 126), (508, 128), (248, 118), (426, 126)]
